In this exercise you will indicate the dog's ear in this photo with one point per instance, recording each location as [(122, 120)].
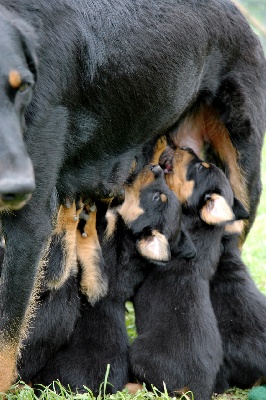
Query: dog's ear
[(239, 210), (183, 246), (216, 210), (154, 247)]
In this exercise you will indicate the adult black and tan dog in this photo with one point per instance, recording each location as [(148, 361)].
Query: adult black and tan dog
[(106, 75)]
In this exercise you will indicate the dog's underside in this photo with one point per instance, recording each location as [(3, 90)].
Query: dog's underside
[(112, 76)]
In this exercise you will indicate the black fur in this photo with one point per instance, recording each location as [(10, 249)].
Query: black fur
[(178, 341), (110, 76), (100, 336), (240, 309), (52, 325)]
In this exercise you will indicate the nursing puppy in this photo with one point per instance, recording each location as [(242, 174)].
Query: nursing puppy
[(178, 341), (145, 229), (85, 84)]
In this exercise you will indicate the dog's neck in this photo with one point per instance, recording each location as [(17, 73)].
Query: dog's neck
[(207, 241)]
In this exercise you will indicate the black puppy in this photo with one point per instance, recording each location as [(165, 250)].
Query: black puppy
[(240, 309), (108, 77), (178, 339), (148, 222)]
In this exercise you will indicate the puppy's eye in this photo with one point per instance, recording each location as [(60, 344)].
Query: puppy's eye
[(156, 197), (24, 87), (199, 166)]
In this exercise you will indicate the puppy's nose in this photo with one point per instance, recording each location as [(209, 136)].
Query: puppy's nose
[(156, 170)]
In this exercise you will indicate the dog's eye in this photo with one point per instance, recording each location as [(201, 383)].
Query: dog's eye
[(24, 87), (199, 166), (156, 197)]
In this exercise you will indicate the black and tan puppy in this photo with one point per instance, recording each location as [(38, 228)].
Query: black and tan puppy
[(146, 228), (240, 309), (178, 341)]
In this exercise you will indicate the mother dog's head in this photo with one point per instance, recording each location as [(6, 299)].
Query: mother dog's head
[(17, 78)]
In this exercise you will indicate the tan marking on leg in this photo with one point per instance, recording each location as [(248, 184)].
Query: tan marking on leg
[(92, 283), (8, 359), (177, 180), (133, 387), (14, 79), (111, 218), (160, 146), (67, 222)]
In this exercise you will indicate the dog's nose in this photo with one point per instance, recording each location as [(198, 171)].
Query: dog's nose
[(156, 170), (15, 195)]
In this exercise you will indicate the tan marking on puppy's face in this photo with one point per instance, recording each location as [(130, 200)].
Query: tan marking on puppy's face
[(92, 283), (14, 79), (235, 227), (177, 180), (216, 210), (155, 247), (163, 197), (130, 210), (205, 164)]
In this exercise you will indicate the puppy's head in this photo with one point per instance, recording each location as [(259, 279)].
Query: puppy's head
[(153, 213), (202, 188)]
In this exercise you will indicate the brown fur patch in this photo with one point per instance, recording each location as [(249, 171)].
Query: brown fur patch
[(163, 197), (130, 210), (14, 79), (160, 146), (205, 126), (235, 227), (206, 165), (8, 358), (133, 387), (177, 180), (88, 252), (154, 247), (111, 218), (216, 210), (67, 222)]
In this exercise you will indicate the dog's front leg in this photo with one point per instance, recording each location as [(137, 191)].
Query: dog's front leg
[(25, 234)]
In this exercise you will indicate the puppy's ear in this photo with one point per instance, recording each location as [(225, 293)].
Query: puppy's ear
[(154, 247), (183, 246), (239, 210), (216, 210)]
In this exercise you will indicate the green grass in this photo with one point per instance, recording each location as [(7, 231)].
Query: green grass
[(254, 255), (254, 251)]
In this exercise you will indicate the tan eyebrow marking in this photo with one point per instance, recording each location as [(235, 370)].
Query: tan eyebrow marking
[(14, 79), (206, 165)]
